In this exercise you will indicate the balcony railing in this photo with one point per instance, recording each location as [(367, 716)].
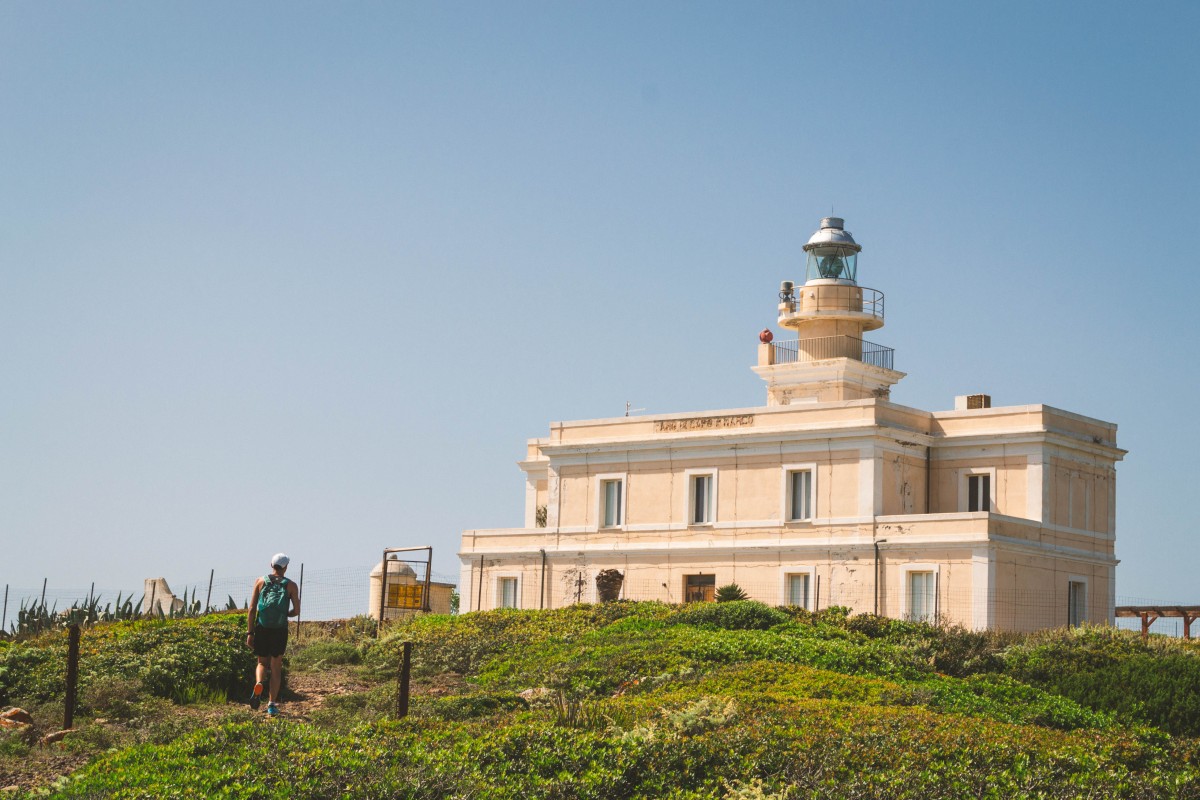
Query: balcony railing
[(799, 351), (831, 298)]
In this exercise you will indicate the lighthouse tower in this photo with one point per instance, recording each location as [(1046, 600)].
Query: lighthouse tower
[(829, 360)]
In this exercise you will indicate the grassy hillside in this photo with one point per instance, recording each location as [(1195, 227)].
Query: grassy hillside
[(633, 700)]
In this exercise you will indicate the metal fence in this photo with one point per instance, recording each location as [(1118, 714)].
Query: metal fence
[(823, 347), (328, 593), (343, 592), (1024, 610)]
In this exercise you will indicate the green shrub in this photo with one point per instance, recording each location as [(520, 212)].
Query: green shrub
[(167, 655), (603, 660), (91, 739), (13, 743), (463, 643), (199, 695), (33, 670), (733, 615), (704, 714), (161, 656), (817, 750), (648, 700), (472, 706), (1114, 671), (324, 653), (115, 698), (730, 592), (342, 711)]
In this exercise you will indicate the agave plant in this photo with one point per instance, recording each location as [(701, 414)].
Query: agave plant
[(731, 592), (35, 618)]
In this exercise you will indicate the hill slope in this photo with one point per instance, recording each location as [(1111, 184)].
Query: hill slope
[(630, 700)]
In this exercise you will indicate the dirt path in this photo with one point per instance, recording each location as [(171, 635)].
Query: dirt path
[(308, 692)]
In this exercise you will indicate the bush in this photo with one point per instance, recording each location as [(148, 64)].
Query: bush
[(162, 657), (324, 653), (733, 615), (817, 751), (471, 706), (33, 670), (731, 592), (1115, 671), (649, 700), (116, 699), (464, 643)]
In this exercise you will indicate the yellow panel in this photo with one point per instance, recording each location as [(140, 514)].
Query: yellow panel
[(405, 596)]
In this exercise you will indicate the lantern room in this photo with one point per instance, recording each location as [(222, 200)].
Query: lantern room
[(832, 253)]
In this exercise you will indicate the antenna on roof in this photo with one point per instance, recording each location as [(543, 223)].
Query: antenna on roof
[(629, 410)]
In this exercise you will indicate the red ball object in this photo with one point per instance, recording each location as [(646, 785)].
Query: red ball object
[(765, 337)]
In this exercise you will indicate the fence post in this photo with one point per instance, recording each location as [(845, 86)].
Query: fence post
[(300, 596), (72, 675), (4, 616), (44, 580), (405, 668), (208, 597)]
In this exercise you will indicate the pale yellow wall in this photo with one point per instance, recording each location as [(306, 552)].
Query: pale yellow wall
[(747, 489), (903, 483), (1076, 499), (1079, 494), (757, 490), (956, 591), (1032, 591), (1010, 487), (841, 577)]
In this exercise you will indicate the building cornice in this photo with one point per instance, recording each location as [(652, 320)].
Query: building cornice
[(911, 542)]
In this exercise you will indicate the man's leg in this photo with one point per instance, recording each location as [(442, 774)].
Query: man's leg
[(276, 676), (259, 677)]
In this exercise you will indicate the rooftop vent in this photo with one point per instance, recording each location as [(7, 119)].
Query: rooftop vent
[(970, 402)]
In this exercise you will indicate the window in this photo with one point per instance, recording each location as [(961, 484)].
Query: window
[(1076, 603), (612, 511), (507, 591), (922, 596), (799, 494), (702, 501), (699, 588), (979, 493), (798, 590)]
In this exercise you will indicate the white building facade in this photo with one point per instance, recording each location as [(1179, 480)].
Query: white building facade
[(830, 494)]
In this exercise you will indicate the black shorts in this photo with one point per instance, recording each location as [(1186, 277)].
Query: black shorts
[(270, 641)]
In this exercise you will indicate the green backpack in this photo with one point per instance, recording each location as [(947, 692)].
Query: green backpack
[(273, 602)]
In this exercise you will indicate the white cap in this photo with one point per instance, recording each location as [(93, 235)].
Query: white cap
[(279, 560)]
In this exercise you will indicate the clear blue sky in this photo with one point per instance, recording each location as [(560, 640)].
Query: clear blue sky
[(304, 277)]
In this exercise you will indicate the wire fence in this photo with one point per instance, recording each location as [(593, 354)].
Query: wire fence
[(1027, 609), (330, 593), (344, 592)]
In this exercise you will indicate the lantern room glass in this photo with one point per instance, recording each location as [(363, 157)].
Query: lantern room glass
[(832, 262)]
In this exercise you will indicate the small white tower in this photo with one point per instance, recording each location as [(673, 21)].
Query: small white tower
[(829, 360)]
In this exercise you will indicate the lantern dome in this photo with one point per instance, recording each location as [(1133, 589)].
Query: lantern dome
[(832, 253)]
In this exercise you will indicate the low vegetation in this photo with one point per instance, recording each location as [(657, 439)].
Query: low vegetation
[(626, 700)]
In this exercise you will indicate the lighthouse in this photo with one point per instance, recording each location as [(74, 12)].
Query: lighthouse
[(829, 360)]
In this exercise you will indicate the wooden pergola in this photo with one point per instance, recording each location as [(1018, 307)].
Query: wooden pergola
[(1149, 614)]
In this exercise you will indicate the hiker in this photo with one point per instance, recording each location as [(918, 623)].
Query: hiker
[(267, 628)]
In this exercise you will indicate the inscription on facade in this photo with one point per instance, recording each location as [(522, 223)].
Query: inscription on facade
[(702, 423)]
